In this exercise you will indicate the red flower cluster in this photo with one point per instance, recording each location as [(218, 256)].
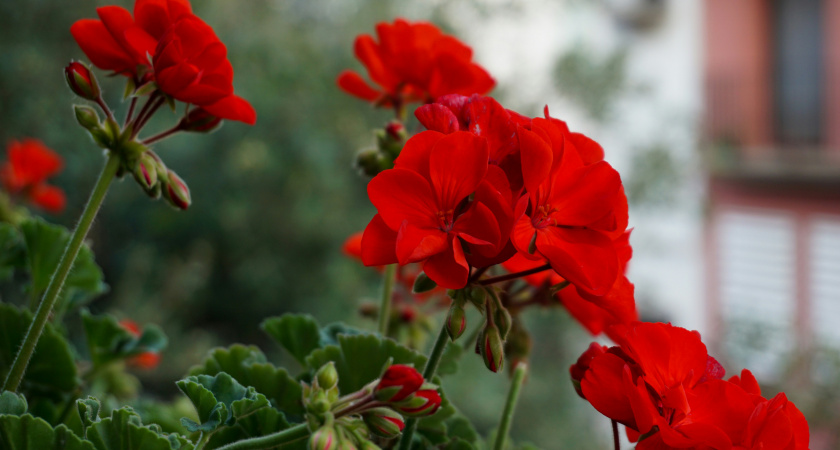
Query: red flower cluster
[(402, 387), (166, 43), (145, 360), (485, 183), (29, 165), (413, 62), (663, 386)]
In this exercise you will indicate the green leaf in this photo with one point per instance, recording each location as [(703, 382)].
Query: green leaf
[(219, 400), (449, 360), (52, 372), (12, 254), (262, 422), (108, 341), (459, 444), (299, 334), (249, 367), (360, 359), (444, 426), (125, 430), (44, 245), (29, 433), (13, 404)]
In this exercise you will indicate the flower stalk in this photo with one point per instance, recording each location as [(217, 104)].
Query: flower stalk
[(388, 277), (42, 314), (510, 405)]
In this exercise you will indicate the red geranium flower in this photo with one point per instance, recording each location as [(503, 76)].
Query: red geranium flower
[(574, 208), (425, 213), (145, 360), (413, 62), (29, 165), (122, 43), (191, 65)]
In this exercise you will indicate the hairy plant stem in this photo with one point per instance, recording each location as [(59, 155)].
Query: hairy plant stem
[(510, 405), (162, 135), (287, 436), (388, 277), (513, 276), (428, 373), (42, 314)]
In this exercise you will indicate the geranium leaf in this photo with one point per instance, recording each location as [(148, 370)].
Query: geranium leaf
[(12, 404), (219, 400), (249, 367), (299, 334), (260, 423), (29, 432), (51, 373), (125, 430), (359, 359)]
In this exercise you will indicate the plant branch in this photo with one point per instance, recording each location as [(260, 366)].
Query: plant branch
[(287, 436), (42, 314), (130, 112), (515, 275), (616, 442), (510, 405), (388, 277), (161, 135)]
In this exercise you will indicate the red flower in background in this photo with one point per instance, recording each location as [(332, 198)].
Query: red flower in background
[(191, 65), (413, 62), (123, 44), (424, 211), (661, 383), (145, 360), (29, 165)]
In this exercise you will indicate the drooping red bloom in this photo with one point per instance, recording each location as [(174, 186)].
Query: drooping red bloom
[(574, 208), (398, 382), (145, 360), (424, 210), (669, 393), (191, 65), (413, 62), (424, 402), (123, 44), (29, 164)]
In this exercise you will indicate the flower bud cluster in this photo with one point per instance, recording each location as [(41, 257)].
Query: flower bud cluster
[(389, 144), (378, 409)]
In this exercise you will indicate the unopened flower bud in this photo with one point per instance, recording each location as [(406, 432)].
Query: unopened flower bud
[(145, 172), (384, 422), (86, 116), (503, 320), (423, 284), (368, 445), (477, 296), (199, 121), (327, 376), (397, 383), (177, 191), (579, 368), (368, 162), (424, 402), (81, 81), (492, 348), (325, 438), (396, 130), (456, 321)]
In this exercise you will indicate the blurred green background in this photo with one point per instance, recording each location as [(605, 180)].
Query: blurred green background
[(272, 203)]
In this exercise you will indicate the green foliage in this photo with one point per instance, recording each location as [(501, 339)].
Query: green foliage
[(299, 334), (444, 426), (27, 432), (219, 400), (449, 361), (52, 371), (591, 83), (12, 254), (260, 423), (360, 359), (13, 404), (249, 367), (45, 244), (108, 341), (125, 430)]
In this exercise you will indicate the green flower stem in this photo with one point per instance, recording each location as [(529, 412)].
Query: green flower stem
[(428, 373), (272, 440), (510, 405), (388, 278), (60, 275)]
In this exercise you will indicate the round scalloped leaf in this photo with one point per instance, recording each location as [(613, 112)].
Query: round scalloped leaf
[(28, 433), (299, 334), (360, 359), (249, 367), (52, 372), (13, 404), (260, 423), (124, 430), (219, 400)]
